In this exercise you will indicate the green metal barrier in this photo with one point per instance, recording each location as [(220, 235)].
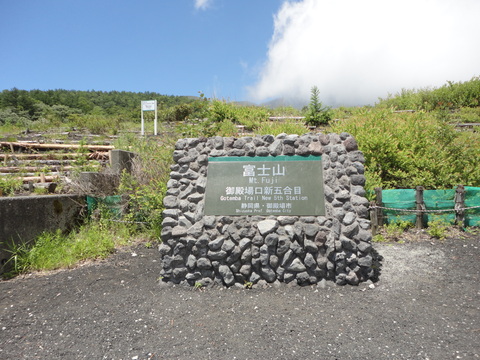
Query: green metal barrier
[(113, 204), (399, 199), (472, 198), (442, 201)]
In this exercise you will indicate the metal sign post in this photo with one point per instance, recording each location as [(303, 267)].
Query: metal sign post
[(149, 105)]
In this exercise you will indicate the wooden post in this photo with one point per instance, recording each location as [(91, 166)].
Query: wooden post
[(376, 214), (378, 193), (420, 206), (374, 218), (460, 205)]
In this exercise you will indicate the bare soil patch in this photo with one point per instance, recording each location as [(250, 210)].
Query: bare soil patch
[(424, 306)]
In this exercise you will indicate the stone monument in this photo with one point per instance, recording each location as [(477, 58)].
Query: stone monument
[(278, 209)]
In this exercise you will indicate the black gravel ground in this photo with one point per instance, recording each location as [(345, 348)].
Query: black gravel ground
[(425, 306)]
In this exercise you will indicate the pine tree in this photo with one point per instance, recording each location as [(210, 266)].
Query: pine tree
[(317, 114)]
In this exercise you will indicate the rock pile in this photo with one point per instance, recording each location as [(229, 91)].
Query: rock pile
[(231, 250)]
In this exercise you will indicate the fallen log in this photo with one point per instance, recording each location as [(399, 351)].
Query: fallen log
[(56, 146), (49, 187), (97, 155), (44, 156), (30, 174), (16, 169), (37, 179)]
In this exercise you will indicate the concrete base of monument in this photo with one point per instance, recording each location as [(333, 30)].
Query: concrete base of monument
[(272, 240)]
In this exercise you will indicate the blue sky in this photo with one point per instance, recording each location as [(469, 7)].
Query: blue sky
[(257, 50), (167, 46)]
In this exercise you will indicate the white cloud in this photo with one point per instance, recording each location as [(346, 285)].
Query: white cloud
[(356, 51), (202, 4)]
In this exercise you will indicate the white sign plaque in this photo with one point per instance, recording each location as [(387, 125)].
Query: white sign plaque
[(149, 105)]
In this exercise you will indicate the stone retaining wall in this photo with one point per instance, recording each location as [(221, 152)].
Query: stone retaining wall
[(231, 250)]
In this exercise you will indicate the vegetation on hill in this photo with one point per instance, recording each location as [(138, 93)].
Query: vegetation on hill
[(34, 103), (455, 100), (37, 108), (453, 95)]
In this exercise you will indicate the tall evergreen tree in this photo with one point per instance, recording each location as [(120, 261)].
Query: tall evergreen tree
[(317, 113)]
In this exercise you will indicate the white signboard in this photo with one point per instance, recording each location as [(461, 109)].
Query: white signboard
[(149, 105)]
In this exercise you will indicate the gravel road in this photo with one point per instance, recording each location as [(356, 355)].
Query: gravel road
[(425, 306)]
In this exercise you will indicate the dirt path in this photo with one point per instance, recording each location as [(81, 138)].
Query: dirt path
[(425, 306)]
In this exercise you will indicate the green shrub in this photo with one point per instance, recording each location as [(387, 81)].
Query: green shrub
[(9, 185), (467, 115), (252, 116), (10, 117), (207, 128), (392, 231), (179, 112), (285, 111), (249, 116), (222, 118), (221, 110), (379, 238), (96, 124), (437, 229), (396, 228), (404, 150), (275, 128)]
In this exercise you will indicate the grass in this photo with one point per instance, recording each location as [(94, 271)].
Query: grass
[(404, 231), (9, 185), (276, 128), (392, 232), (145, 187), (9, 129), (248, 285), (55, 250), (437, 229)]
